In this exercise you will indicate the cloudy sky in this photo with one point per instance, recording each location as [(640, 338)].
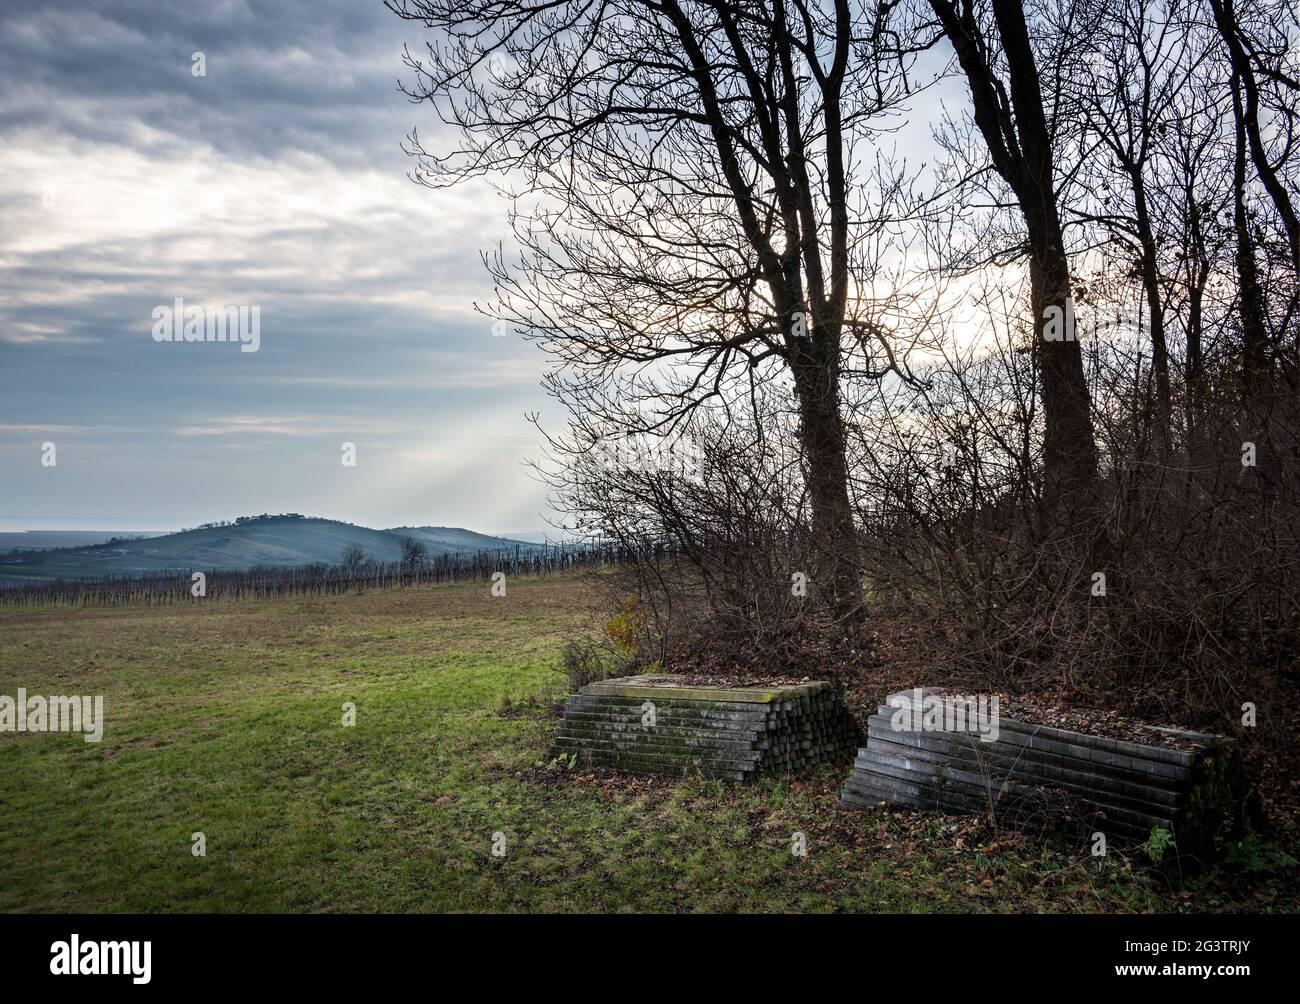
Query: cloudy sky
[(274, 180)]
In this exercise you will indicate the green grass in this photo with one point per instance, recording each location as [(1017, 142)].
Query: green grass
[(225, 719)]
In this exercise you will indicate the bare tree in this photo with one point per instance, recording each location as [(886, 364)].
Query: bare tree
[(414, 553), (353, 558), (696, 204), (1126, 96), (1007, 102), (1252, 55)]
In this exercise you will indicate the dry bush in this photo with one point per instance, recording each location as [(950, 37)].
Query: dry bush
[(722, 576), (590, 660), (1200, 555)]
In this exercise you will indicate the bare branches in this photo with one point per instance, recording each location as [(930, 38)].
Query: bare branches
[(688, 217)]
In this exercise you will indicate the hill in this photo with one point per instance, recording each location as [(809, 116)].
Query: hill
[(40, 540), (452, 539), (249, 542)]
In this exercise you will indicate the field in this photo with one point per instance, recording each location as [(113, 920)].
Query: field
[(226, 719)]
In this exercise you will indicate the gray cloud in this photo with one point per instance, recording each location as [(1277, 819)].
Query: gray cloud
[(275, 181)]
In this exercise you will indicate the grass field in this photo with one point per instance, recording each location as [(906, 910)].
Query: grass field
[(226, 719)]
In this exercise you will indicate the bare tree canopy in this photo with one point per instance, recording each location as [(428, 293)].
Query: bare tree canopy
[(706, 238), (697, 202)]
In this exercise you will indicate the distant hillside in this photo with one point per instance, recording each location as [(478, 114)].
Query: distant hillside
[(41, 539), (446, 539), (282, 541)]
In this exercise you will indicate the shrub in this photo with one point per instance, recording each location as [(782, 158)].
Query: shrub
[(590, 660), (625, 627)]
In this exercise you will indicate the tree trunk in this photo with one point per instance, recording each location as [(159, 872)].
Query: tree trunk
[(1254, 331), (1021, 152), (1257, 384), (821, 430), (1069, 449), (1246, 110), (1156, 313), (1197, 278), (1069, 453)]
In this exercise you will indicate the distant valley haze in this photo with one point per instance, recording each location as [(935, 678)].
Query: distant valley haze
[(278, 541)]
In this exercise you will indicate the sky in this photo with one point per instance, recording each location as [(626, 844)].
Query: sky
[(275, 180)]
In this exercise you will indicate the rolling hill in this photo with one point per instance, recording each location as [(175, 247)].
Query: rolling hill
[(40, 540), (451, 539), (250, 542)]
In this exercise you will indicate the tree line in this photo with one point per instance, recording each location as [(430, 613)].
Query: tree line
[(415, 569), (1040, 390)]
